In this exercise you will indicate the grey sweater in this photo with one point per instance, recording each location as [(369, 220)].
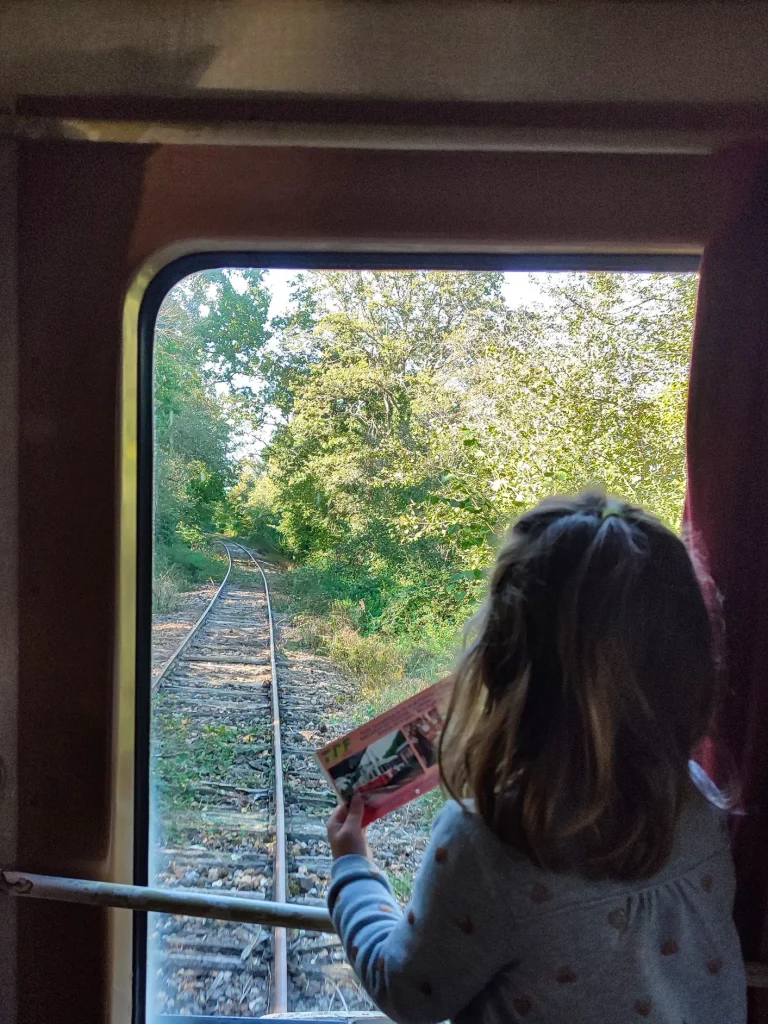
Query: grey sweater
[(489, 937)]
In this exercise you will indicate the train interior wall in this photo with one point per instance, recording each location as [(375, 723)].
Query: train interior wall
[(81, 220)]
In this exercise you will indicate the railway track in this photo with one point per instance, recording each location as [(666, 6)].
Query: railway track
[(240, 805)]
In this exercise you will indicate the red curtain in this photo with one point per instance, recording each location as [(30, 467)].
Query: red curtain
[(726, 517)]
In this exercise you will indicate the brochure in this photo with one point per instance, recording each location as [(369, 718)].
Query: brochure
[(393, 758)]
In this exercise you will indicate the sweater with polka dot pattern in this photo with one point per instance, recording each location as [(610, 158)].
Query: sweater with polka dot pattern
[(490, 937)]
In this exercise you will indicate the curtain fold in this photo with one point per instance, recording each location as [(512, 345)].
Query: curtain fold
[(726, 515)]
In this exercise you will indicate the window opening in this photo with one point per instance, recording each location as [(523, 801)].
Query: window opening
[(328, 456)]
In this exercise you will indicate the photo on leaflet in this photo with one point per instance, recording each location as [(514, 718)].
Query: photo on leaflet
[(424, 736), (393, 758), (378, 770)]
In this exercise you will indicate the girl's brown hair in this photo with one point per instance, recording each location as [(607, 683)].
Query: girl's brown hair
[(592, 678)]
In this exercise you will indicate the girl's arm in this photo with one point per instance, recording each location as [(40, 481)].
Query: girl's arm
[(427, 964)]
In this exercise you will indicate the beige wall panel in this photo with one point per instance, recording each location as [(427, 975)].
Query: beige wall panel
[(422, 49)]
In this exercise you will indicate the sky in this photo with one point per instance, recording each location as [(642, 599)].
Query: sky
[(520, 288)]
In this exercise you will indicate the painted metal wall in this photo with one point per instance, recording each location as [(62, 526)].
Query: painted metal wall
[(88, 217), (497, 50)]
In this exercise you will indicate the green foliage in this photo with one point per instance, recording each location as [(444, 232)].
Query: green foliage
[(410, 416), (422, 414), (250, 511), (189, 567), (209, 335), (185, 757), (223, 317)]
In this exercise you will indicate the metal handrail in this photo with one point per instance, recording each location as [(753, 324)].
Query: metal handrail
[(220, 908), (279, 915), (165, 901)]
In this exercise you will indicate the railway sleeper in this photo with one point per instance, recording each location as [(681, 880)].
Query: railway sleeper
[(315, 865), (227, 660), (214, 697), (224, 944), (316, 799), (203, 963), (210, 859)]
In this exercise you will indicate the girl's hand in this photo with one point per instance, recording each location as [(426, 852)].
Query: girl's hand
[(345, 829)]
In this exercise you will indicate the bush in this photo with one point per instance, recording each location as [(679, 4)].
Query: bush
[(189, 567), (368, 658), (319, 586), (166, 591), (385, 633), (250, 511)]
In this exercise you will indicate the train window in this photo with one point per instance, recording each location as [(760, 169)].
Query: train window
[(329, 454)]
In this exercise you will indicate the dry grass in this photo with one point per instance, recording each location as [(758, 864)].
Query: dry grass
[(368, 658), (377, 664), (166, 592)]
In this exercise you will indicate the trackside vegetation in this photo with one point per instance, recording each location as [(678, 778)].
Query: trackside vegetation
[(379, 432)]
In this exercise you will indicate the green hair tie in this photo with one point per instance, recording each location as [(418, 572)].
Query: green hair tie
[(612, 508)]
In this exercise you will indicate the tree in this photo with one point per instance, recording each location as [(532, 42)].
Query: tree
[(209, 336), (421, 413)]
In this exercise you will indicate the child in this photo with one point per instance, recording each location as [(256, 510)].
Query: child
[(582, 872)]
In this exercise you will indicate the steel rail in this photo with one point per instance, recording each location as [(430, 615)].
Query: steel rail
[(164, 901), (279, 981), (191, 634), (276, 913), (279, 882)]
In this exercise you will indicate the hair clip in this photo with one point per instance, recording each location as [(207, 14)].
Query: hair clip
[(612, 508)]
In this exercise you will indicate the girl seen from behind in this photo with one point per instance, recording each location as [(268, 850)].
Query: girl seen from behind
[(581, 871)]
